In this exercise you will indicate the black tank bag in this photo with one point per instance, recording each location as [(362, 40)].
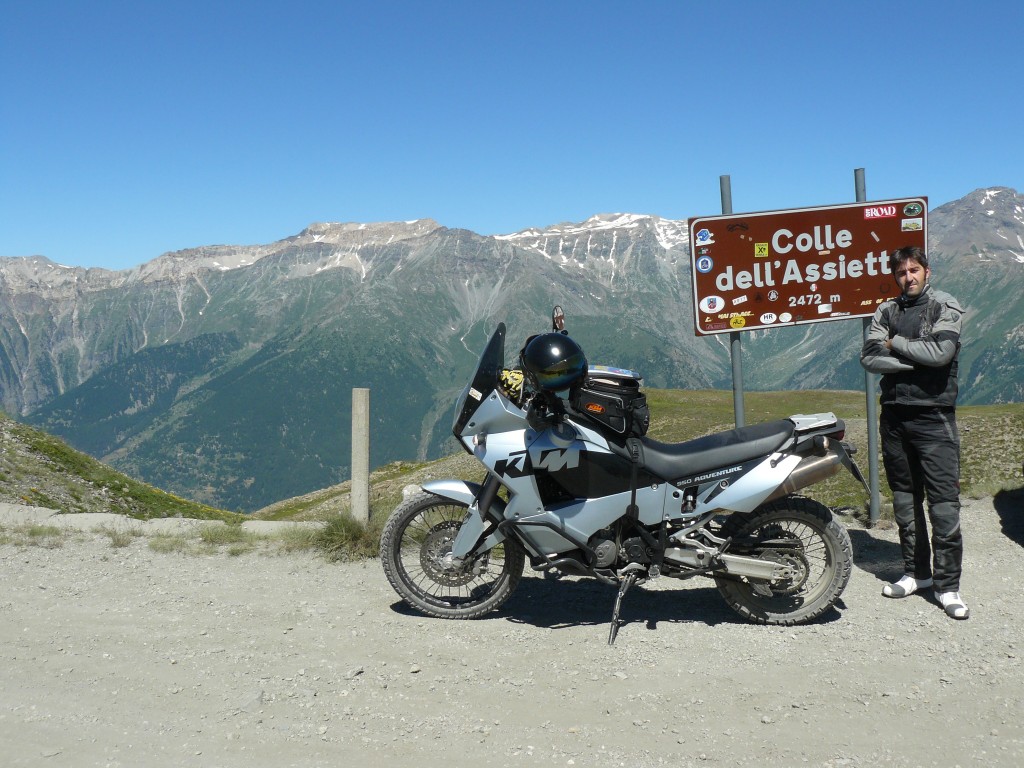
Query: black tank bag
[(613, 401)]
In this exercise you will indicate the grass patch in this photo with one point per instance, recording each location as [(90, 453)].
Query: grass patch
[(40, 532), (34, 535), (169, 543), (120, 537), (208, 540), (345, 538), (225, 535), (297, 539), (233, 539)]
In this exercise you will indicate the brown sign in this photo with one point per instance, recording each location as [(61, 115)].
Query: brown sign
[(806, 265)]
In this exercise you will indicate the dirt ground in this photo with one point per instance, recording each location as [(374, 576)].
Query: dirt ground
[(123, 656)]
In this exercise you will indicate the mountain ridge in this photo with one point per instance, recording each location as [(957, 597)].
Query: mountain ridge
[(223, 373)]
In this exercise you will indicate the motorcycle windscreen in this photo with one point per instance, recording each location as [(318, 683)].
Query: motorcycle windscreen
[(484, 381)]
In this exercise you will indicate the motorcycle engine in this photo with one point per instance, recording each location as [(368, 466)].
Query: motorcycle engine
[(605, 547), (636, 550), (603, 543)]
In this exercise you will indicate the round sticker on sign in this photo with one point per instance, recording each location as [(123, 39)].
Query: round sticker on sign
[(768, 318), (712, 304), (737, 322)]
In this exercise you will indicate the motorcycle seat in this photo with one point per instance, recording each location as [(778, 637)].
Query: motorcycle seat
[(672, 461)]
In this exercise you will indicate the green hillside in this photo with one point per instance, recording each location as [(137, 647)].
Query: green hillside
[(40, 470)]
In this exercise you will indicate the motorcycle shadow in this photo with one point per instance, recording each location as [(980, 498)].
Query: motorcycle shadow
[(565, 602), (561, 603)]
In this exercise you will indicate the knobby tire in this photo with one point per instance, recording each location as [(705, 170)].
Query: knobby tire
[(826, 555), (415, 538)]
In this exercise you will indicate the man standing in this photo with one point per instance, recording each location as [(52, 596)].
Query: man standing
[(914, 342)]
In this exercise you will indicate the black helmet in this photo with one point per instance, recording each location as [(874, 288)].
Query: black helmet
[(553, 361)]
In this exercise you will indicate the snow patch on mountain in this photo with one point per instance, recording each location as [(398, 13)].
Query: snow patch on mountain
[(552, 241)]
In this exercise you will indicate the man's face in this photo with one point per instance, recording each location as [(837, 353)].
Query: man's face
[(911, 277)]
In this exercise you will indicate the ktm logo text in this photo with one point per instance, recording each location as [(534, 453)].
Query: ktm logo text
[(520, 463)]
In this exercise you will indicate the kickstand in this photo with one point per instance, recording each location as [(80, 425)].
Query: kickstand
[(628, 581)]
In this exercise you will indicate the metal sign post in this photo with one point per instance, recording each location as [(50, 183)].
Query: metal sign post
[(871, 411), (794, 267), (735, 345)]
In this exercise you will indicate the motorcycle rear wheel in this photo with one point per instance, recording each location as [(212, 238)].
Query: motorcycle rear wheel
[(413, 546), (822, 563)]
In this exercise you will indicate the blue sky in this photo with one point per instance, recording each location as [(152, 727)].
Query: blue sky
[(129, 129)]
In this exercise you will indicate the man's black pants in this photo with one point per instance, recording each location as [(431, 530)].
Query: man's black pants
[(921, 454)]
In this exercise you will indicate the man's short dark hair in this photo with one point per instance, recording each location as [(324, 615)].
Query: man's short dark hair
[(906, 253)]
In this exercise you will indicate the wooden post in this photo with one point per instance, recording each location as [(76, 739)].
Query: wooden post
[(360, 487)]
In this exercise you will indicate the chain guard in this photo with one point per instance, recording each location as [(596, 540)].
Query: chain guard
[(792, 557)]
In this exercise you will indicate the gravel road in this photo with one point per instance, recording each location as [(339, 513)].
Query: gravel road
[(124, 656)]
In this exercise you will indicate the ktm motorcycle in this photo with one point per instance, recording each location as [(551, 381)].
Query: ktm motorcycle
[(574, 485)]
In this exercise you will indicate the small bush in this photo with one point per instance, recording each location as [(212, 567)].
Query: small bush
[(120, 537), (344, 538)]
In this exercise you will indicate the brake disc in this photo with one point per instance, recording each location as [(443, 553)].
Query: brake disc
[(436, 556)]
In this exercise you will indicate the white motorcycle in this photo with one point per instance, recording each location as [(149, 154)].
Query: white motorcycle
[(574, 485)]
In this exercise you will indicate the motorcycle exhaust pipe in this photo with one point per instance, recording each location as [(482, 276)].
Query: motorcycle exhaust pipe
[(813, 469)]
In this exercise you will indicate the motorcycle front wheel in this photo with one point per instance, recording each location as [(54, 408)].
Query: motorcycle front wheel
[(415, 550), (816, 548)]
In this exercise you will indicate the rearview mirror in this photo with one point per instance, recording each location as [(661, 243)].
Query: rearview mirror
[(558, 319)]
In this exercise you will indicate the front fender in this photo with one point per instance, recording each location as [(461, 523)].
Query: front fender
[(456, 490), (468, 538)]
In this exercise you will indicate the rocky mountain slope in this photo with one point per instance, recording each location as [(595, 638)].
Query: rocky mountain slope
[(224, 373)]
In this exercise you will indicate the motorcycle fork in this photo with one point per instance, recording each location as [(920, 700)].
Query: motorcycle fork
[(478, 524)]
